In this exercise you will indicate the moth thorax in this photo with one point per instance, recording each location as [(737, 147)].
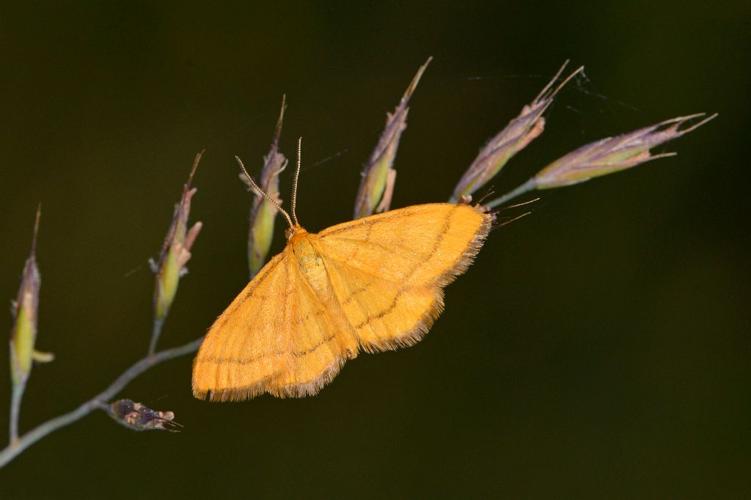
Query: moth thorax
[(309, 260)]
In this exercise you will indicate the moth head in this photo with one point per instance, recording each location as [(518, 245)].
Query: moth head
[(294, 232)]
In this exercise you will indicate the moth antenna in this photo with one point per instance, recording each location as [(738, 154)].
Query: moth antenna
[(297, 176), (257, 188)]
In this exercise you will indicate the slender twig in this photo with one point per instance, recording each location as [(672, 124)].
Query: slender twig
[(524, 188), (15, 410), (156, 332), (97, 402)]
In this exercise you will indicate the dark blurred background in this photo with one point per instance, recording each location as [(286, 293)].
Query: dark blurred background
[(599, 348)]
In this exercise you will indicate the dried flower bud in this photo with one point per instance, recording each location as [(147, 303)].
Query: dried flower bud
[(516, 136), (263, 212), (25, 309), (613, 154), (378, 176), (175, 250), (139, 417)]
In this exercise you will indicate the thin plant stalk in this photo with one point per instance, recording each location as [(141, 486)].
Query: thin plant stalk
[(98, 402), (15, 410), (514, 193), (156, 332)]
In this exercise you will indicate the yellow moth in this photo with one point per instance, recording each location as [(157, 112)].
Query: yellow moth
[(371, 284)]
